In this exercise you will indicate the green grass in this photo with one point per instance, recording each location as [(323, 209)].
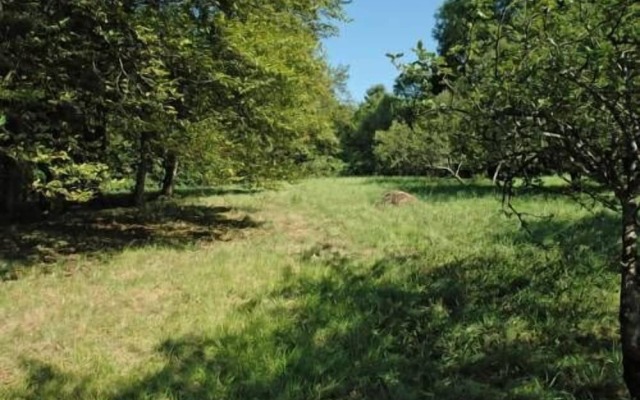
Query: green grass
[(314, 292)]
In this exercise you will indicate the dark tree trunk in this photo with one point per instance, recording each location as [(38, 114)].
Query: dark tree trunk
[(14, 181), (170, 172), (52, 204), (143, 169), (101, 129), (576, 178), (630, 299)]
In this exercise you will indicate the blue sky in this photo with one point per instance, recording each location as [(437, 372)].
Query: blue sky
[(380, 27)]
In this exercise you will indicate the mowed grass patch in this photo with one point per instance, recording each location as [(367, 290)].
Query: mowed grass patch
[(332, 296)]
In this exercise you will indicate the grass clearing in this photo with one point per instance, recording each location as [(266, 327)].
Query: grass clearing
[(314, 292)]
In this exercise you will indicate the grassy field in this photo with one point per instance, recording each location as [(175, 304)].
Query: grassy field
[(314, 292)]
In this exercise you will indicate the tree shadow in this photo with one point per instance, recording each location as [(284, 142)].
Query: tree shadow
[(440, 189), (523, 327), (124, 199), (448, 189), (33, 212), (593, 240), (477, 328), (100, 233), (209, 191), (45, 382)]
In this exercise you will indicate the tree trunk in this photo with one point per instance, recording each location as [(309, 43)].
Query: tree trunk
[(496, 174), (575, 180), (170, 172), (143, 169), (630, 299), (14, 181)]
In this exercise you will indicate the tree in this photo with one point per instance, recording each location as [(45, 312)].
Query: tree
[(452, 31), (563, 77), (57, 75), (376, 113), (429, 138), (432, 144), (403, 150), (257, 81)]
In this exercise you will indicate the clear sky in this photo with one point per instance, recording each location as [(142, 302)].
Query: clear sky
[(379, 27)]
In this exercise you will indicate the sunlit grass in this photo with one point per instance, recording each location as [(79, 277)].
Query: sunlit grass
[(331, 296)]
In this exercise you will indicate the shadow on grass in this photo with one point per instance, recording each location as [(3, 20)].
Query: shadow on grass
[(124, 199), (102, 232), (531, 326), (448, 189), (440, 189), (451, 333), (209, 191), (45, 382), (586, 244)]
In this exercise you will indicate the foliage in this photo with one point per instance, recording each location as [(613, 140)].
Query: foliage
[(376, 113), (402, 150), (53, 90), (123, 86), (424, 137)]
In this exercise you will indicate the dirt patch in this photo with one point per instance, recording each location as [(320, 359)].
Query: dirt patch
[(149, 300), (7, 373), (295, 226)]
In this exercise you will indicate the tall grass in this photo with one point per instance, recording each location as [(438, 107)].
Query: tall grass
[(326, 295)]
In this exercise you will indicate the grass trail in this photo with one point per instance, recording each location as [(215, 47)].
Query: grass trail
[(314, 292)]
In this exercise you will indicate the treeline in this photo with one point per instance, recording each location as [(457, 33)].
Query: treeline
[(212, 91), (513, 90), (402, 133), (387, 136)]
